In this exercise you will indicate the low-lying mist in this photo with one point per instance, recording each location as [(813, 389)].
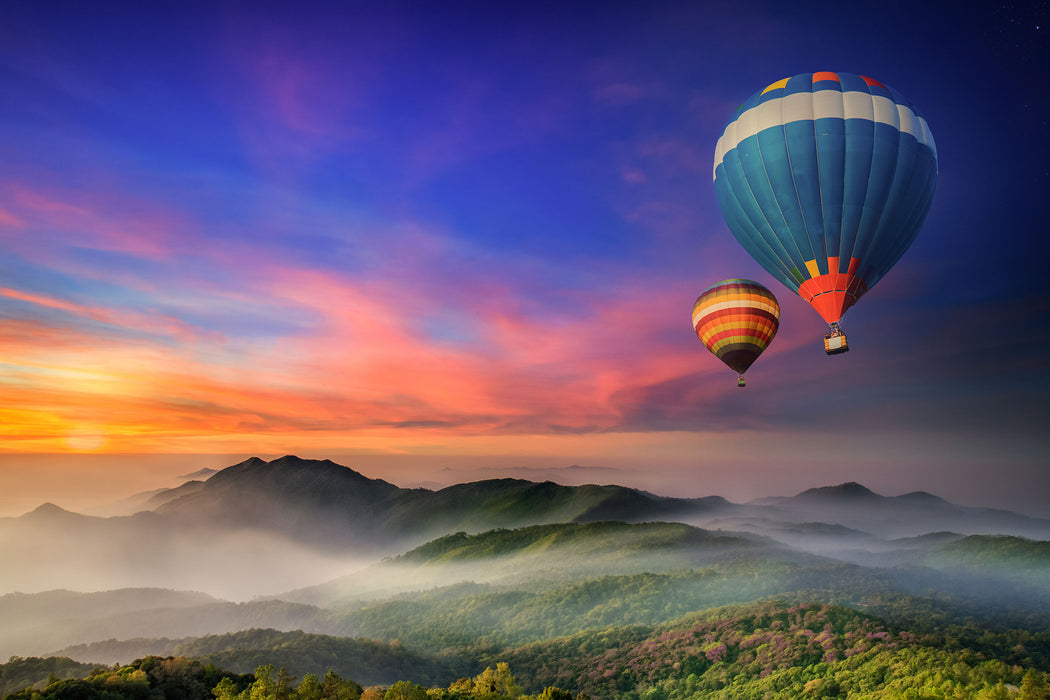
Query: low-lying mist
[(234, 566)]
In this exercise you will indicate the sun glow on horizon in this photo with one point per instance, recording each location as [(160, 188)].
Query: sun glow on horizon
[(86, 439)]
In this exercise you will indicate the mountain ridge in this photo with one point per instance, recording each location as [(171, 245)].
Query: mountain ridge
[(324, 519)]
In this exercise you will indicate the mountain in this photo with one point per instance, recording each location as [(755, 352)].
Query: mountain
[(855, 506), (332, 507), (848, 492), (200, 475), (922, 497), (316, 502), (156, 499), (148, 500), (996, 558)]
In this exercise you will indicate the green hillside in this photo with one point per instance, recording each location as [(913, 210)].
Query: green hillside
[(775, 650), (996, 550), (760, 650), (578, 540), (552, 553), (489, 617), (19, 673), (366, 661)]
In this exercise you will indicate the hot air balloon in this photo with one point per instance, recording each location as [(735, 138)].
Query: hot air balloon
[(825, 179), (736, 319)]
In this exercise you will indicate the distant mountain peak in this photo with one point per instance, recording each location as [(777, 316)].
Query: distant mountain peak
[(297, 484), (200, 474), (920, 497), (48, 508), (50, 512), (849, 490)]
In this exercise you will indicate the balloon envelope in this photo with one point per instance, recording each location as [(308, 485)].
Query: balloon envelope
[(825, 179), (736, 320)]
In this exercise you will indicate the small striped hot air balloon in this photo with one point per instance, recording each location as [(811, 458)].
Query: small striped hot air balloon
[(825, 179), (736, 320)]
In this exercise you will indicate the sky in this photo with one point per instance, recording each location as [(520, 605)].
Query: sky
[(445, 241)]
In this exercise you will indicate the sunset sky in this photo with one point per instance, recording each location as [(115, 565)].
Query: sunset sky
[(445, 241)]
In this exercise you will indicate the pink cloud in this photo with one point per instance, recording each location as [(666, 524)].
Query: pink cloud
[(97, 217), (159, 324), (555, 369), (9, 219)]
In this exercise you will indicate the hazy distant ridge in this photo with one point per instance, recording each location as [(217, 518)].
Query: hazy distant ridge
[(321, 520)]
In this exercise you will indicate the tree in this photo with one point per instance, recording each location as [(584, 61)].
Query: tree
[(333, 687), (227, 690), (553, 693), (1033, 686), (406, 690), (309, 688), (496, 682), (264, 687), (283, 685)]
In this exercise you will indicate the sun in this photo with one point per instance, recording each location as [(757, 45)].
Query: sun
[(86, 439)]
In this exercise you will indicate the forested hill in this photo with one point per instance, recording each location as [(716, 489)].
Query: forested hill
[(577, 539), (556, 553), (776, 650)]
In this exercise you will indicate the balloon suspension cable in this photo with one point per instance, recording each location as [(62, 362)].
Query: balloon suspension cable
[(740, 380)]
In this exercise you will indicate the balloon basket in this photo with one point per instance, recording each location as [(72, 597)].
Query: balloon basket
[(835, 341), (740, 380)]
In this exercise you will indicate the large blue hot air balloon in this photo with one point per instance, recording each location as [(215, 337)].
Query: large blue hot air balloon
[(825, 179)]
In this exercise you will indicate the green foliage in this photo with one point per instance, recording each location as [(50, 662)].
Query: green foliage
[(366, 660), (405, 690), (984, 550), (763, 650), (21, 673), (264, 687), (149, 678), (494, 617), (333, 687), (768, 650), (309, 688), (575, 537)]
